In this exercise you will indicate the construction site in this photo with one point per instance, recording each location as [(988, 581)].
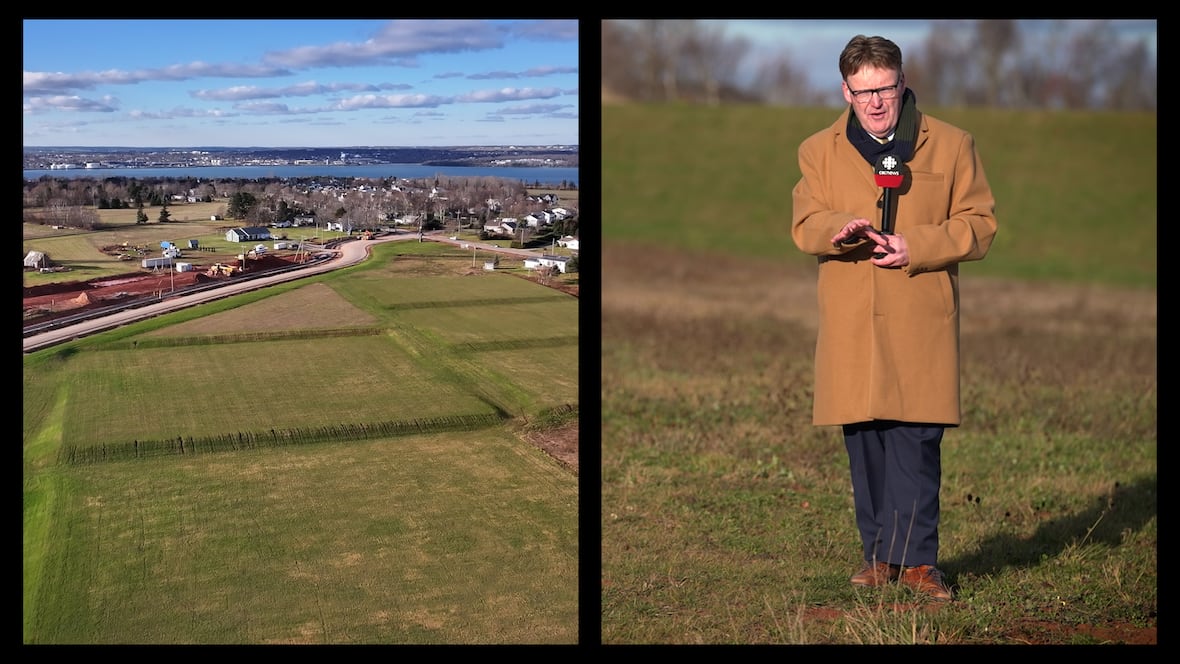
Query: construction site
[(48, 301)]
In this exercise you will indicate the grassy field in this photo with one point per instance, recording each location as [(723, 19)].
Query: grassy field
[(727, 517), (1076, 192), (314, 463)]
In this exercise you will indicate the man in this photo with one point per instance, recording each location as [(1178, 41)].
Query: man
[(887, 353)]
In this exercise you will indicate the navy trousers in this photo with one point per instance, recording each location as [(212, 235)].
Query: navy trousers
[(896, 474)]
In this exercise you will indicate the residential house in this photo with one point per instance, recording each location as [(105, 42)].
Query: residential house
[(247, 234), (546, 260), (538, 219), (505, 226)]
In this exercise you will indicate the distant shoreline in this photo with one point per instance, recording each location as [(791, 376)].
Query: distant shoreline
[(547, 175), (97, 158)]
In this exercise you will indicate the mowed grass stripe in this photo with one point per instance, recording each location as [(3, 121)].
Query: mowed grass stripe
[(483, 302), (494, 322), (409, 541), (515, 344), (550, 372), (387, 289), (160, 393)]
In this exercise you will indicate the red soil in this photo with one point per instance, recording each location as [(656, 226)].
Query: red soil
[(48, 301)]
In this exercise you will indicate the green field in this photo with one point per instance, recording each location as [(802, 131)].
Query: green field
[(319, 462), (1075, 192)]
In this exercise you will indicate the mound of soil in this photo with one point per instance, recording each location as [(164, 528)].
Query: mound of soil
[(560, 443)]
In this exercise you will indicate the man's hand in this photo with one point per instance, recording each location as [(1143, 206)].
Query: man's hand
[(852, 232), (896, 251)]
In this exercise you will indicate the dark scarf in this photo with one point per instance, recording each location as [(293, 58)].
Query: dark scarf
[(904, 135)]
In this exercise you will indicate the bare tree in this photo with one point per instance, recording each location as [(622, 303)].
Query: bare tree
[(780, 82), (1132, 80), (545, 274), (1088, 64), (619, 62), (996, 43), (711, 59), (943, 75)]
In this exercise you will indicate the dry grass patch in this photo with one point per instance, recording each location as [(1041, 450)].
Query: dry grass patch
[(313, 306)]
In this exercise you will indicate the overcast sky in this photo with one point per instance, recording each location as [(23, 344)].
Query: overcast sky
[(815, 44), (294, 83)]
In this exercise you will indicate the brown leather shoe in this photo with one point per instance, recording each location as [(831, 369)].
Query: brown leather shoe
[(874, 574), (926, 580)]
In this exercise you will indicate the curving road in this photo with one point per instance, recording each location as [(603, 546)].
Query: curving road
[(349, 253)]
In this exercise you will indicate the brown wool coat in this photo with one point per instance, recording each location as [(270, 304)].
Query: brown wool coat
[(888, 344)]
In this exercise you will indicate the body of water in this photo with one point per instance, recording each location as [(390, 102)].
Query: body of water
[(528, 175)]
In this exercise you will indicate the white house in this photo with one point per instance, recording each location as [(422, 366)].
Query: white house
[(538, 219), (545, 260), (506, 226), (247, 234), (569, 242), (36, 259)]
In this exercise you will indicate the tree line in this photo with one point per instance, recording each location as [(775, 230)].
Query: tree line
[(965, 63)]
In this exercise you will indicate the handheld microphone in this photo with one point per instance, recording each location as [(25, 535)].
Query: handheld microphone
[(887, 173)]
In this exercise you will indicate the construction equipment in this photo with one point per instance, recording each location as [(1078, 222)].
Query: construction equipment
[(221, 269)]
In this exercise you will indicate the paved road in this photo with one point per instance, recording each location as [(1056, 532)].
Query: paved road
[(349, 253)]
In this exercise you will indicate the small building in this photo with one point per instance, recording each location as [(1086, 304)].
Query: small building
[(184, 267), (152, 263), (36, 259), (193, 244)]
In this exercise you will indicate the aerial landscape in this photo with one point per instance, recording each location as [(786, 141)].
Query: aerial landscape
[(337, 407)]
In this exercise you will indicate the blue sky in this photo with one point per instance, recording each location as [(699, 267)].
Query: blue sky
[(300, 82), (815, 44)]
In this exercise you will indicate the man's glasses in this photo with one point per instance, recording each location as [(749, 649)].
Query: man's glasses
[(886, 93)]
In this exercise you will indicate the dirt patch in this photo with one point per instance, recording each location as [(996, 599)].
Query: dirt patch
[(640, 278), (560, 443)]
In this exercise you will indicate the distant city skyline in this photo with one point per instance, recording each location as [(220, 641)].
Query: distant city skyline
[(300, 82)]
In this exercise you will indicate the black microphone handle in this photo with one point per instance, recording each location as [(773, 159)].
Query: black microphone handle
[(886, 217), (887, 212)]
